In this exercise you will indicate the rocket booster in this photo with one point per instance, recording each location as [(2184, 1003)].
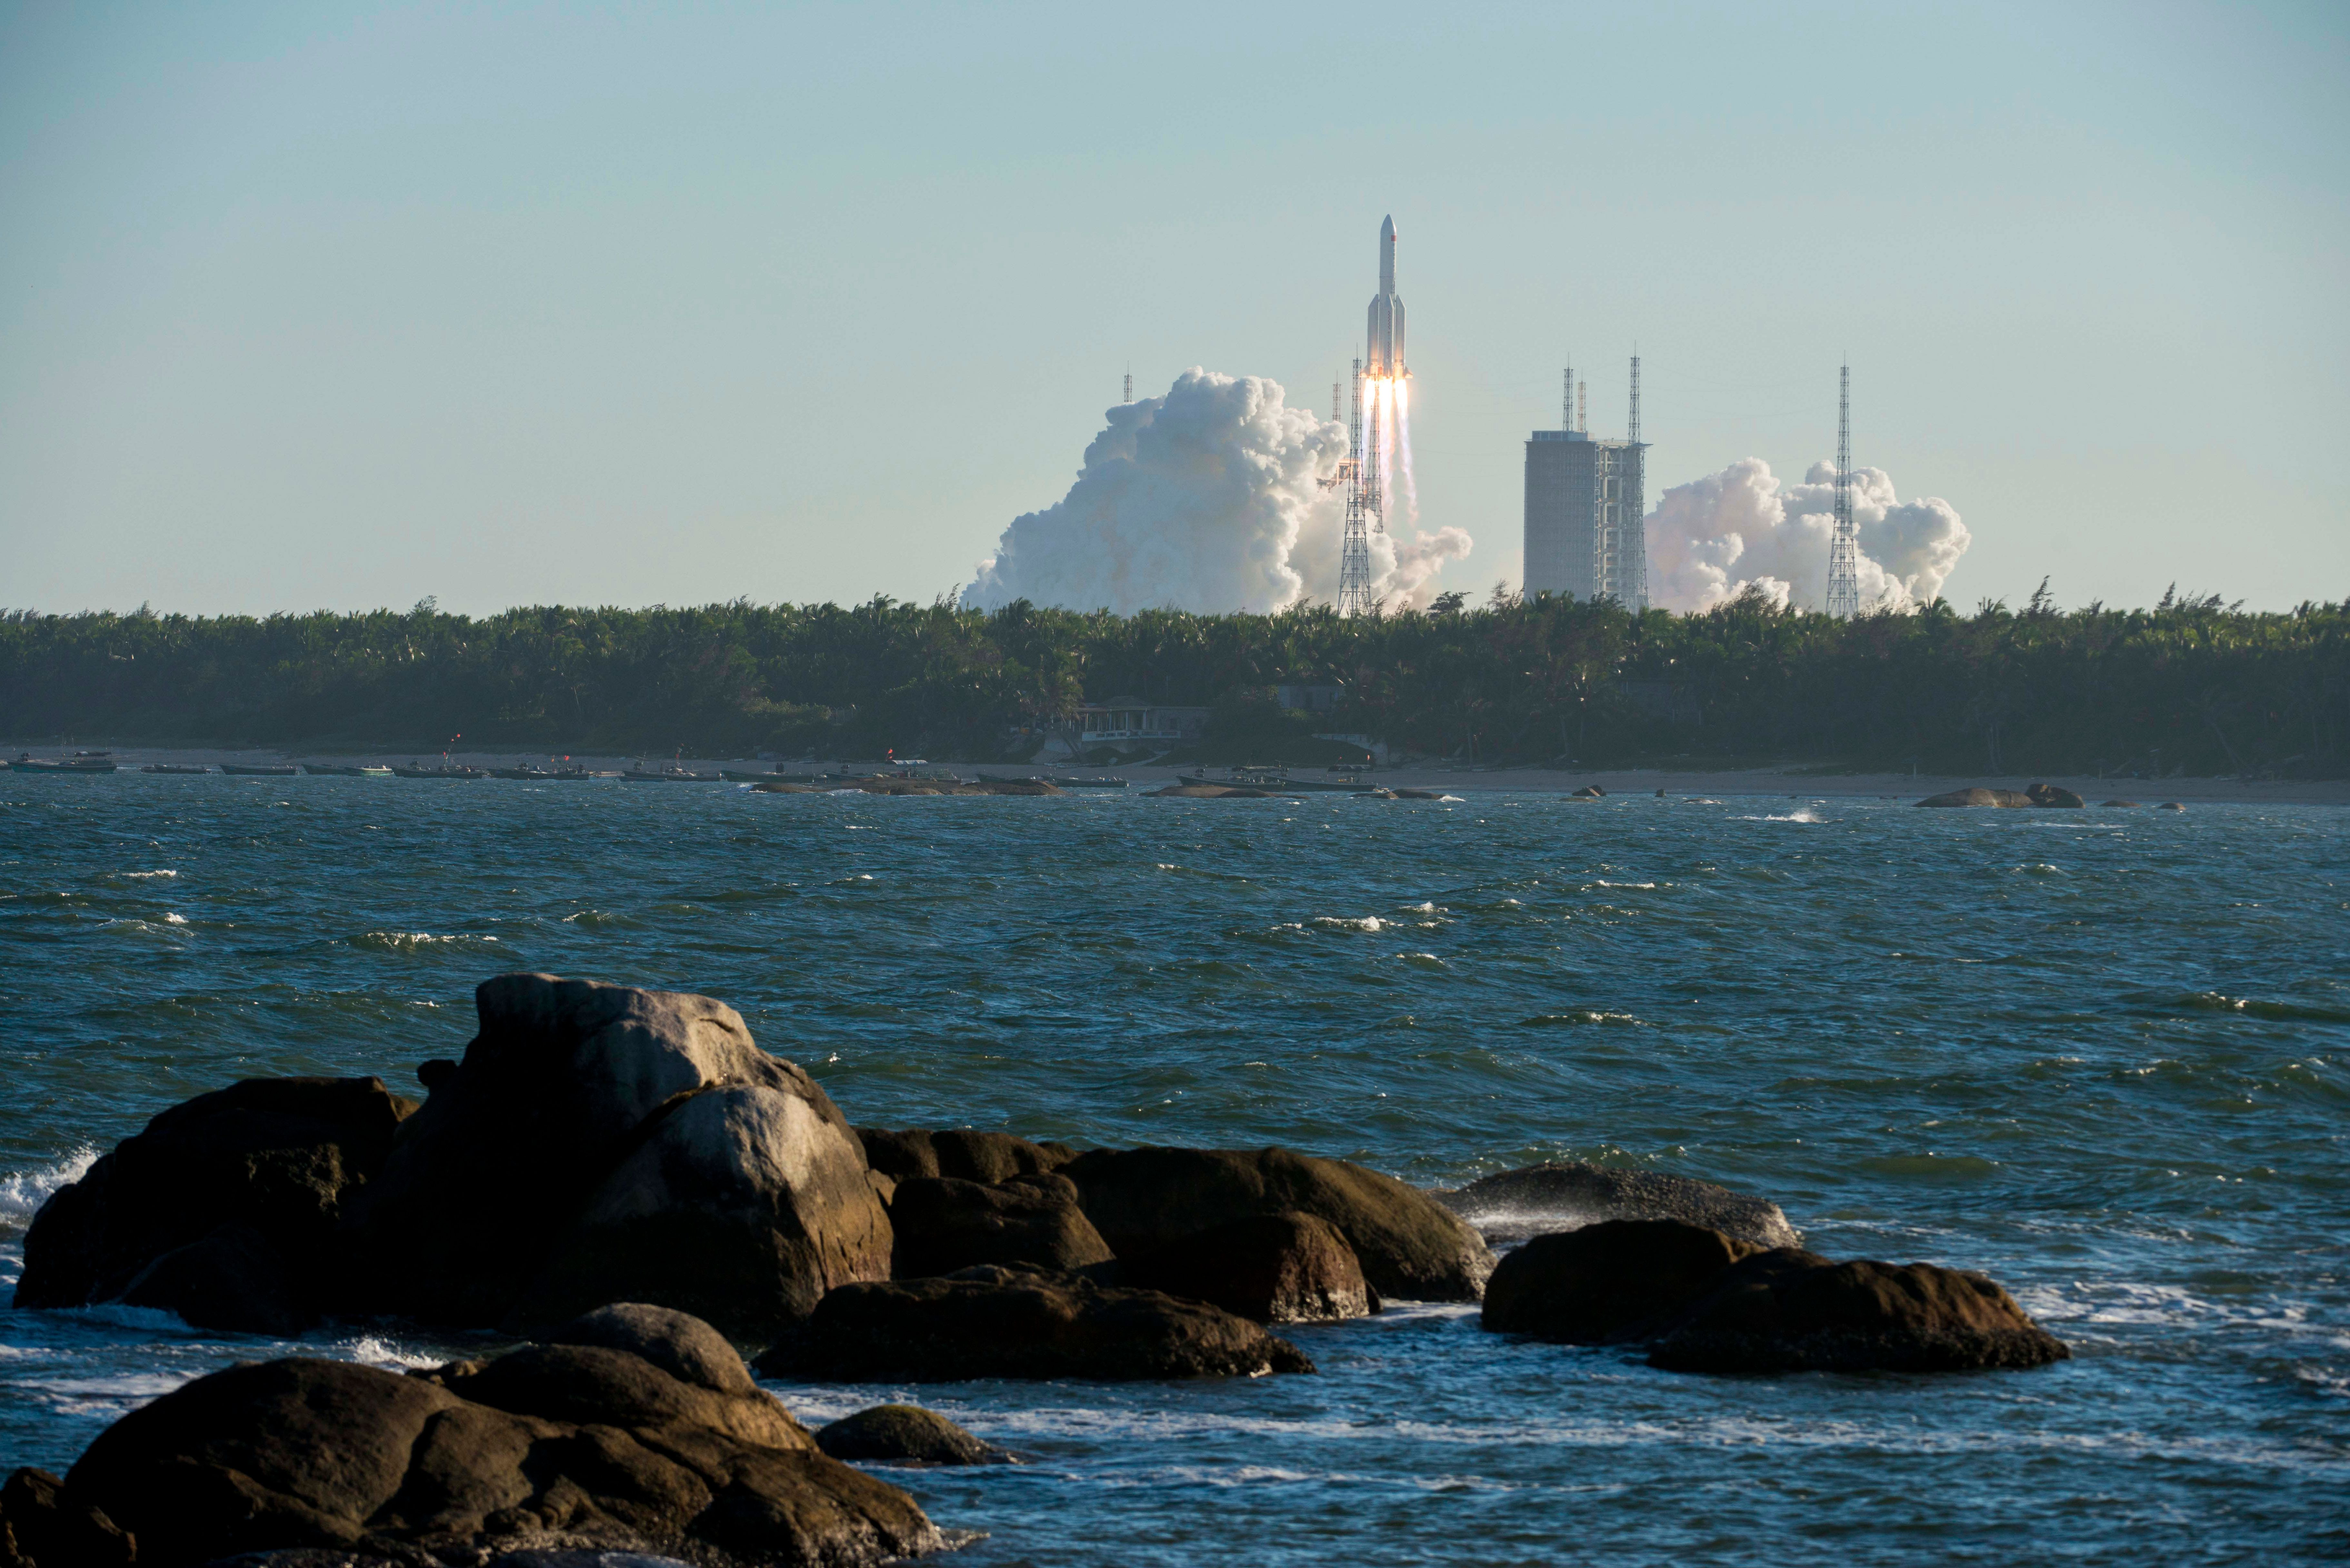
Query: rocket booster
[(1385, 336)]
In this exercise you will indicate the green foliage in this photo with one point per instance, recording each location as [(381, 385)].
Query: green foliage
[(2191, 683)]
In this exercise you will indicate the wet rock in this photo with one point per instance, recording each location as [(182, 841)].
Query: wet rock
[(2044, 794), (1979, 797), (959, 1152), (1419, 794), (1613, 1280), (600, 1142), (1273, 1267), (1410, 1247), (1024, 1323), (2129, 804), (942, 1224), (275, 1158), (680, 1344), (233, 1281), (547, 1449), (1210, 791), (41, 1528), (906, 1434), (1787, 1310), (2171, 806), (1561, 1195), (1590, 792)]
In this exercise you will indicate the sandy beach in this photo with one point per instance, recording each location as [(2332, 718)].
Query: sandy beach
[(1792, 783)]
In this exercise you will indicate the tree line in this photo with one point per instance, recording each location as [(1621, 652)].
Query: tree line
[(2190, 684)]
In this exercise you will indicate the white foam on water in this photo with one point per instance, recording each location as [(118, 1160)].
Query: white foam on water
[(144, 875), (1341, 923), (175, 919), (23, 1192)]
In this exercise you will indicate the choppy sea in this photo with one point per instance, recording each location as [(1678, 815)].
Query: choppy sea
[(2104, 1055)]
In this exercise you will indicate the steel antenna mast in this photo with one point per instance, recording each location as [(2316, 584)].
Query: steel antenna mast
[(1843, 545)]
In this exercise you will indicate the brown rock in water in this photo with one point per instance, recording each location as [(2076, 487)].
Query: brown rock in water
[(600, 1143), (1210, 791), (1562, 1194), (1790, 1311), (2171, 806), (960, 1152), (1590, 792), (2044, 795), (1272, 1268), (271, 1161), (39, 1527), (2118, 803), (1411, 1248), (1979, 797), (942, 1224), (233, 1281), (548, 1446), (1026, 1323), (907, 1433), (1609, 1281)]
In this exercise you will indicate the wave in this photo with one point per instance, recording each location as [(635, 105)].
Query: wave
[(422, 942), (1342, 923), (23, 1192), (2255, 1007)]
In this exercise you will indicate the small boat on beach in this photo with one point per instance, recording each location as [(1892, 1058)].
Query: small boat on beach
[(79, 763), (174, 768), (351, 771), (440, 771), (261, 771), (532, 774), (672, 774)]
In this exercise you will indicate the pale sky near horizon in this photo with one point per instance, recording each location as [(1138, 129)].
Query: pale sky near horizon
[(317, 305)]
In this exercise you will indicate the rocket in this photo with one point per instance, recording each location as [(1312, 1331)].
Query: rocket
[(1385, 336)]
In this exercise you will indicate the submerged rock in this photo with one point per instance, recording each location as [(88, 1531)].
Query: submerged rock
[(547, 1448), (1560, 1195), (907, 1433), (1409, 1246), (1273, 1267), (1788, 1311), (1026, 1323), (601, 1142), (943, 1224), (2129, 803), (1979, 797), (266, 1165), (1609, 1281)]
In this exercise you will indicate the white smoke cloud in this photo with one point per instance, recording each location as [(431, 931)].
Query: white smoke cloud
[(1206, 499), (1712, 538)]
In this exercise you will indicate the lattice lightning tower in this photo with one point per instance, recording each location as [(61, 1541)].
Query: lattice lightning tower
[(1843, 545), (1362, 505)]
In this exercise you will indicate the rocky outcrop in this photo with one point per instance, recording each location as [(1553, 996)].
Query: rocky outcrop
[(906, 1435), (1273, 1267), (600, 1142), (207, 1211), (1789, 1311), (960, 1152), (2046, 794), (1979, 797), (573, 1445), (1535, 1200), (1590, 792), (1024, 1323), (942, 1224), (1409, 1246), (1609, 1281), (40, 1528)]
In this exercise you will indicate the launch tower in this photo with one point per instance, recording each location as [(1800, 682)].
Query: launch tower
[(1586, 501)]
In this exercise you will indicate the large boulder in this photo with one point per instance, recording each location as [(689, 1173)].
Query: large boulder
[(1979, 797), (942, 1225), (995, 1322), (548, 1447), (39, 1526), (1273, 1267), (2048, 795), (598, 1142), (1788, 1310), (268, 1166), (1410, 1247), (906, 1435), (963, 1153), (1609, 1281), (1562, 1194)]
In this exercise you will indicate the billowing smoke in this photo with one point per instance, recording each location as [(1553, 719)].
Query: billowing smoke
[(1712, 538), (1206, 499)]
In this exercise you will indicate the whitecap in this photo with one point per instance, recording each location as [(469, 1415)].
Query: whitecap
[(1341, 923), (144, 875), (175, 919), (23, 1192)]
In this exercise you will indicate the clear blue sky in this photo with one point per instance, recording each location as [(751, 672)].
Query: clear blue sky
[(315, 305)]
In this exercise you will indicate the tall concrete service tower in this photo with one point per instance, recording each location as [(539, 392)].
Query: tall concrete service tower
[(1586, 503)]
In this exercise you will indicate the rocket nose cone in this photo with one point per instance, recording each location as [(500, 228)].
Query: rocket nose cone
[(1387, 227)]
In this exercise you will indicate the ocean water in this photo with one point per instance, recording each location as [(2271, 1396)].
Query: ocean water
[(2103, 1055)]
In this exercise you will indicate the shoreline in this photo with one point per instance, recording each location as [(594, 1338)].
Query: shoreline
[(1789, 782)]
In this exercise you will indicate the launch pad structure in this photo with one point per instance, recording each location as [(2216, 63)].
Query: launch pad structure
[(1587, 505)]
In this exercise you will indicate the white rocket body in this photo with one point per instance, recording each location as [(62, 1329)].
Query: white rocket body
[(1384, 355)]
